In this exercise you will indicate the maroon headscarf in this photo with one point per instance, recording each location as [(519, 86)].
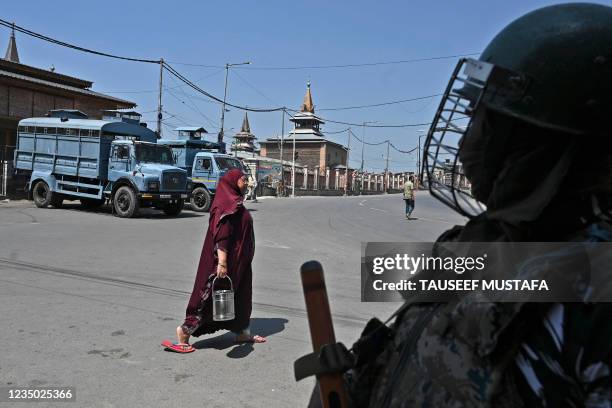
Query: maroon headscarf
[(228, 198)]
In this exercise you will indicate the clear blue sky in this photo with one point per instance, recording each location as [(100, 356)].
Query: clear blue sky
[(270, 34)]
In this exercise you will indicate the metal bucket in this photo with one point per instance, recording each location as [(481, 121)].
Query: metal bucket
[(223, 303)]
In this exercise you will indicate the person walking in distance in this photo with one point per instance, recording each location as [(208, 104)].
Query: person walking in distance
[(409, 196)]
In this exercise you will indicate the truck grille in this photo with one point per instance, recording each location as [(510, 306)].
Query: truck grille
[(174, 181)]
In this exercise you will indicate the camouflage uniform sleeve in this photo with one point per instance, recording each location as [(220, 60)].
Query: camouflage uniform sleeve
[(567, 359)]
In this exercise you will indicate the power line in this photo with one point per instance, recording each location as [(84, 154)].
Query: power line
[(381, 104), (157, 90), (195, 111), (75, 47), (366, 64), (336, 132), (419, 98), (369, 144), (195, 108), (403, 151), (370, 125), (200, 90), (247, 83)]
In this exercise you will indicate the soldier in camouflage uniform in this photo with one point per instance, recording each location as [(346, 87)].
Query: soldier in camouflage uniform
[(538, 153)]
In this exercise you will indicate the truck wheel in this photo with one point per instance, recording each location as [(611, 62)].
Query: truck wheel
[(41, 193), (125, 202), (56, 200), (90, 203), (174, 209), (200, 199)]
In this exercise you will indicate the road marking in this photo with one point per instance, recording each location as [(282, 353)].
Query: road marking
[(270, 244), (437, 220), (6, 264), (361, 203), (378, 209)]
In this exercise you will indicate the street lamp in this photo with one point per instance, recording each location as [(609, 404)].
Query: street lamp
[(227, 67)]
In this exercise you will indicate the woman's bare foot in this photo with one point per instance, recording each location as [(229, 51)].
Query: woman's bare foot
[(247, 338), (182, 337)]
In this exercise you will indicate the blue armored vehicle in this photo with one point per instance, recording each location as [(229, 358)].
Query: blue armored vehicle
[(204, 162), (70, 157)]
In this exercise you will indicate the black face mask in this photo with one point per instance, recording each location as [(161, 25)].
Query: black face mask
[(482, 152)]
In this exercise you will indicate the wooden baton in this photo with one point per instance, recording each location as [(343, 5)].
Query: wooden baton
[(322, 331)]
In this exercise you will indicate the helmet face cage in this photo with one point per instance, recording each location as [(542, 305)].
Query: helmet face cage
[(442, 169)]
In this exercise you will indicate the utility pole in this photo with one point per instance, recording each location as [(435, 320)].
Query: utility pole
[(419, 156), (362, 150), (220, 136), (159, 99), (227, 67), (293, 170), (362, 146), (387, 170), (348, 151), (418, 171), (281, 151)]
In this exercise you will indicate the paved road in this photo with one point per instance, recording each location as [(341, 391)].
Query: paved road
[(86, 298)]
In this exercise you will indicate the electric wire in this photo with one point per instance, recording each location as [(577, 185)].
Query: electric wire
[(202, 91), (193, 106), (195, 87), (366, 64), (75, 47), (382, 103)]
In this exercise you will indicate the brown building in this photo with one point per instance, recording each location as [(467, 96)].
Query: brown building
[(311, 148), (27, 91)]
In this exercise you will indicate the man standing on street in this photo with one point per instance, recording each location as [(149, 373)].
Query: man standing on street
[(409, 196), (252, 193)]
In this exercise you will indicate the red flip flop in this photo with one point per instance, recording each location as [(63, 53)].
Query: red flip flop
[(177, 347)]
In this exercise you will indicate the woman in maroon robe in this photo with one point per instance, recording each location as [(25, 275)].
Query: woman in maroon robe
[(228, 249)]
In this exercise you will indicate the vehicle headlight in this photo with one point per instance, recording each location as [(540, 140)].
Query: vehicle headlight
[(153, 186)]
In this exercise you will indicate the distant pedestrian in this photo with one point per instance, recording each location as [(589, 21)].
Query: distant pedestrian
[(228, 250), (409, 195), (252, 194)]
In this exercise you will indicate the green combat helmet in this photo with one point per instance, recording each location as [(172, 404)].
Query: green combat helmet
[(551, 68)]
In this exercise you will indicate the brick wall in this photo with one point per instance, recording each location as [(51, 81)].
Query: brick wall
[(335, 155), (24, 103), (19, 102), (91, 106), (4, 100), (308, 154)]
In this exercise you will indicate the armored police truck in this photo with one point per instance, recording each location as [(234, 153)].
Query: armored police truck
[(70, 157)]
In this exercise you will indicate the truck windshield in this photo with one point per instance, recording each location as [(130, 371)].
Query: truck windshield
[(226, 163), (154, 154)]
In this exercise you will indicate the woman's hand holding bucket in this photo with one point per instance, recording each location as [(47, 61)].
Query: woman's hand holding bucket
[(222, 264), (221, 270)]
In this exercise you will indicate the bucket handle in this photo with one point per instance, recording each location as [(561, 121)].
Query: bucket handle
[(227, 276)]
